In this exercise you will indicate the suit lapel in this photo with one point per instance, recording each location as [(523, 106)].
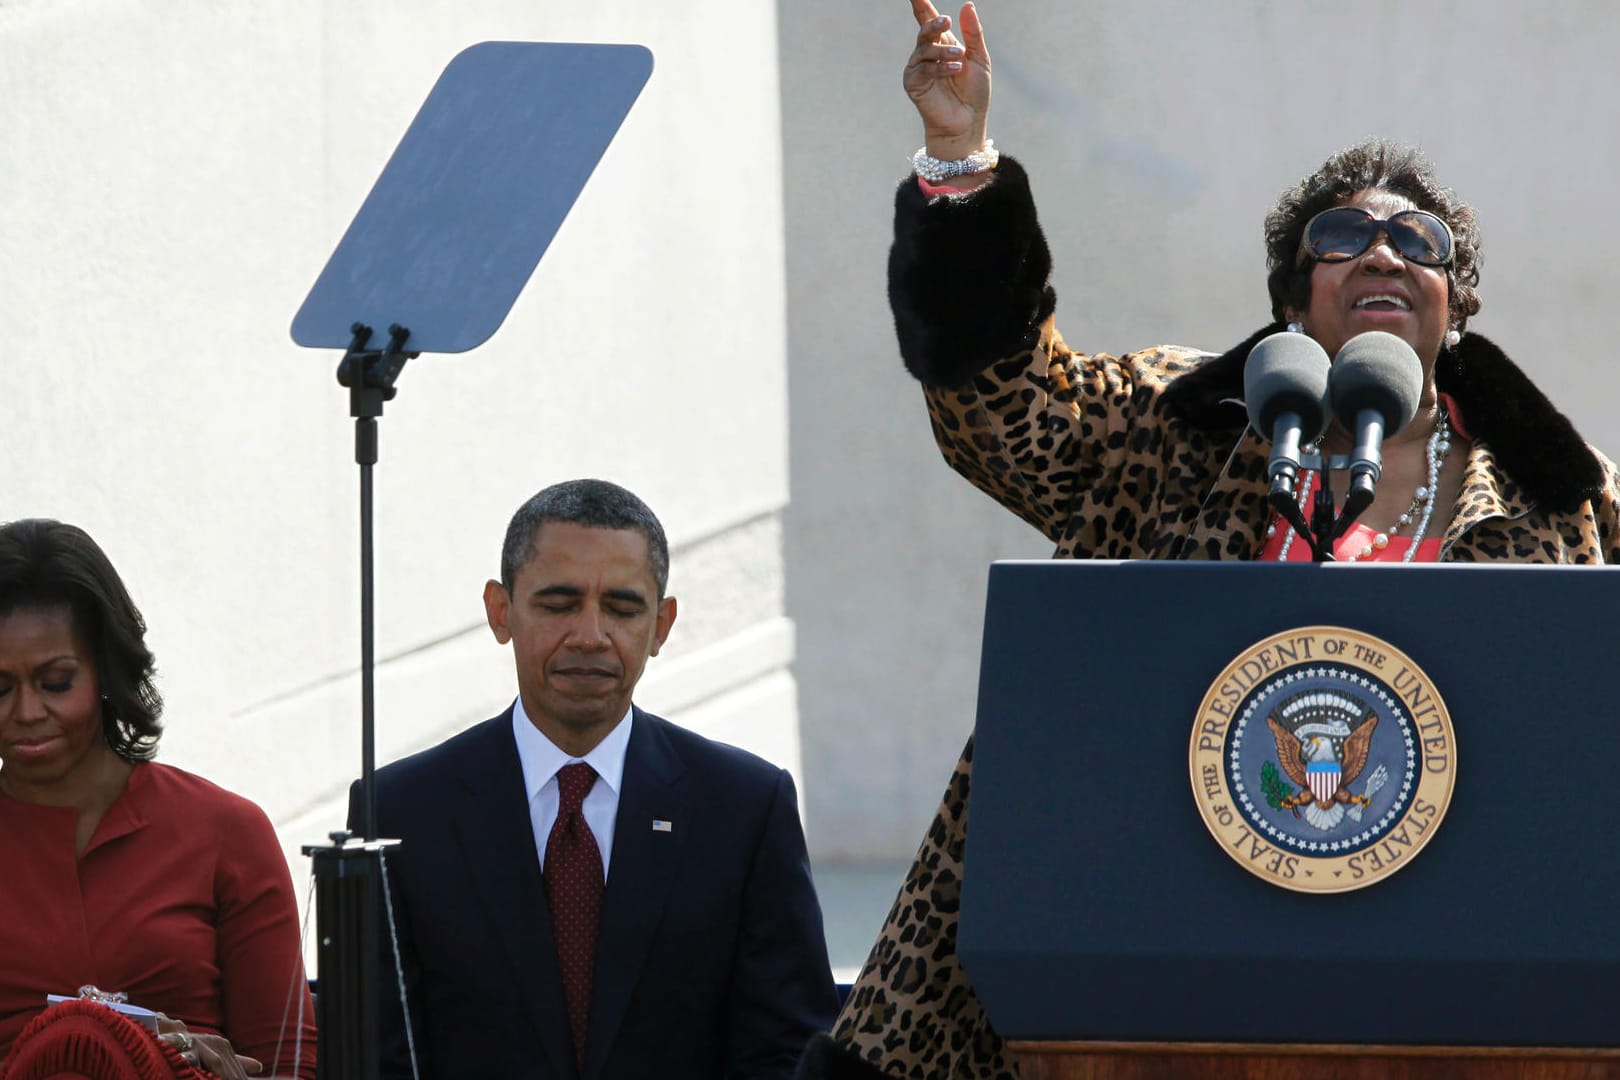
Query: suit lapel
[(497, 840), (639, 876)]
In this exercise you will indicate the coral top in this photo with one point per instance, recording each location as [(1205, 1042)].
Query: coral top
[(181, 899), (1359, 537), (1356, 540)]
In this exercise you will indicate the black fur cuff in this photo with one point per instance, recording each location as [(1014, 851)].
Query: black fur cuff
[(967, 276), (1533, 442), (826, 1059)]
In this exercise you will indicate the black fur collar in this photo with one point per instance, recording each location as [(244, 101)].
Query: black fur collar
[(1533, 442)]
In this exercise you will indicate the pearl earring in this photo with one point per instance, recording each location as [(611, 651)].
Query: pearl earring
[(1452, 338), (1296, 327)]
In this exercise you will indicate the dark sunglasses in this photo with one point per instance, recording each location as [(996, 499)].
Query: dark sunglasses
[(1344, 232)]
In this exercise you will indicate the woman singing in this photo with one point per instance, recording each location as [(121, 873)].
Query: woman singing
[(1149, 455)]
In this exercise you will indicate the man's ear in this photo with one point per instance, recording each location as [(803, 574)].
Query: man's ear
[(497, 606), (666, 619)]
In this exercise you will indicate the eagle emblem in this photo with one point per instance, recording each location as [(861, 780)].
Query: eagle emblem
[(1322, 758), (1323, 738)]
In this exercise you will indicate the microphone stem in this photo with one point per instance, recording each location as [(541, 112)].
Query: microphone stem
[(1366, 466), (1366, 458), (1323, 528)]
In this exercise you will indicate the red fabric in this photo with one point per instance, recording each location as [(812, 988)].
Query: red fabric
[(1356, 539), (81, 1040), (1360, 536), (1455, 417), (930, 190), (182, 900), (573, 875)]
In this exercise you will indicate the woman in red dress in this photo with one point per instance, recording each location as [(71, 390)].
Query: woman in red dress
[(120, 872)]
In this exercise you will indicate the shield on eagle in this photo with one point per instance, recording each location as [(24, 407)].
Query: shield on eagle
[(1324, 780)]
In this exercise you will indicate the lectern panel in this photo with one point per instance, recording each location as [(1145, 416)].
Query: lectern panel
[(1098, 905)]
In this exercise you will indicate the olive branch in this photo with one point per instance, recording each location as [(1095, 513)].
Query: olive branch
[(1271, 783)]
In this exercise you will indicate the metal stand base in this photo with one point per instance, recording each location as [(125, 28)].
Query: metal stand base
[(347, 900)]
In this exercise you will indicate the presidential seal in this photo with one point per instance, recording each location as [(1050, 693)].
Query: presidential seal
[(1322, 759)]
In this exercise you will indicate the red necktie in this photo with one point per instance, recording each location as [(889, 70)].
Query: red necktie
[(573, 874)]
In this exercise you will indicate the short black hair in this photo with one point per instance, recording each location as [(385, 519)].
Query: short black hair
[(47, 564), (1375, 164), (596, 504)]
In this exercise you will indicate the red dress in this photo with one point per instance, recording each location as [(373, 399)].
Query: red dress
[(181, 899)]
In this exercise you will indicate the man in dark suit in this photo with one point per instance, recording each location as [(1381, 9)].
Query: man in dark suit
[(584, 889)]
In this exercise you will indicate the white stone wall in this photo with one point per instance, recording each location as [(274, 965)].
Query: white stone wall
[(1157, 134), (172, 178), (173, 175)]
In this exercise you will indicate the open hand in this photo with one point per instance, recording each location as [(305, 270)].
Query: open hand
[(948, 79)]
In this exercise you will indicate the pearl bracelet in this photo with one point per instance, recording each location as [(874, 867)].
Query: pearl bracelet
[(934, 170)]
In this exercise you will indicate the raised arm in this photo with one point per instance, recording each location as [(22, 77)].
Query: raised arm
[(947, 78)]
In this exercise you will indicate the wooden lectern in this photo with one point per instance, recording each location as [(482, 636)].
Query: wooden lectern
[(1109, 934), (1240, 1061)]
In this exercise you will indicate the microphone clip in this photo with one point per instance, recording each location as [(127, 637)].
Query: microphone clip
[(1327, 523)]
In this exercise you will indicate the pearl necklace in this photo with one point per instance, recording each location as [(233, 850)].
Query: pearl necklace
[(1422, 508)]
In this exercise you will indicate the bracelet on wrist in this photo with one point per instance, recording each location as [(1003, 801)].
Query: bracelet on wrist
[(934, 170)]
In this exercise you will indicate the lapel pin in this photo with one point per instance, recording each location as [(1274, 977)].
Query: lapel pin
[(662, 826)]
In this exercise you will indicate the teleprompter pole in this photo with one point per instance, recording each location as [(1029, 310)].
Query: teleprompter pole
[(348, 872), (370, 376), (445, 241)]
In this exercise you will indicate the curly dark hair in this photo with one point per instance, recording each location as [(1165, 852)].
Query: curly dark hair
[(46, 564), (1378, 164)]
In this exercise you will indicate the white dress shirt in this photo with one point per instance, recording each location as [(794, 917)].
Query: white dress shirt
[(541, 759)]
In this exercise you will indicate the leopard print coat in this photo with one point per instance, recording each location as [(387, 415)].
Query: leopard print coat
[(1142, 456)]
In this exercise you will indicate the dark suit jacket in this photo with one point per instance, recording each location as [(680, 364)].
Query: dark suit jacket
[(711, 962)]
